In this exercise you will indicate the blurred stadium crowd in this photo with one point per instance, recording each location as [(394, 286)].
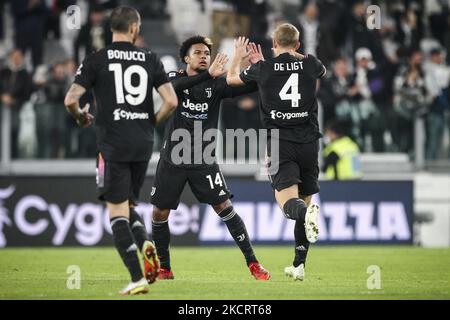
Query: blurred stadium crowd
[(379, 81)]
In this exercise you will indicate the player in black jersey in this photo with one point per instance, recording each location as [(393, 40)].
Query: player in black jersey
[(287, 86), (199, 92), (122, 78)]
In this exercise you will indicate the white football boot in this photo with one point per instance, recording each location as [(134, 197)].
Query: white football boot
[(296, 273), (311, 225), (137, 287)]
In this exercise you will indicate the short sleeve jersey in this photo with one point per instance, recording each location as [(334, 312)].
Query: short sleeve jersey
[(122, 78), (287, 86), (197, 113)]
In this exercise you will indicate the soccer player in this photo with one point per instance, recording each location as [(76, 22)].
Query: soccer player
[(199, 94), (122, 77), (287, 86)]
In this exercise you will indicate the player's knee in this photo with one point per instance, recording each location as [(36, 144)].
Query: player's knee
[(227, 213), (135, 218), (307, 199), (160, 214), (295, 209), (118, 209), (218, 208)]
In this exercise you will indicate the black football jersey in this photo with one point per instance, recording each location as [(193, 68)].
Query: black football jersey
[(197, 112), (122, 78), (287, 86)]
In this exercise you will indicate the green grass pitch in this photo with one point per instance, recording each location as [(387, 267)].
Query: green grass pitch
[(220, 273)]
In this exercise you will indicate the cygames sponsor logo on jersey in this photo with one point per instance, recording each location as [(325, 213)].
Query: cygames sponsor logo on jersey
[(120, 114), (274, 114), (202, 116)]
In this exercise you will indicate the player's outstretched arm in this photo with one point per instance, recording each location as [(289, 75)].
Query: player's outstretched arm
[(240, 53), (217, 69), (170, 102), (72, 102)]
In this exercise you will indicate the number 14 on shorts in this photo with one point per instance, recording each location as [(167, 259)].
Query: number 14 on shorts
[(217, 181)]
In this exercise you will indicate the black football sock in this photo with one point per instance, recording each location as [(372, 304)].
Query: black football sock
[(138, 228), (301, 243), (295, 209), (161, 237), (237, 229), (123, 239)]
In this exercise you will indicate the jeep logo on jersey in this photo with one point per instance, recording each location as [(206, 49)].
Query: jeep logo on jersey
[(202, 107), (120, 114), (208, 92), (274, 114)]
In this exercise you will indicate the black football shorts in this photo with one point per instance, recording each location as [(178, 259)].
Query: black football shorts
[(298, 164), (120, 181), (206, 182)]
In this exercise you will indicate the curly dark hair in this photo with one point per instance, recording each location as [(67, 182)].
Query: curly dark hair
[(188, 43)]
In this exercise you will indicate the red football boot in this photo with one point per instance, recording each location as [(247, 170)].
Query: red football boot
[(258, 271), (165, 274), (151, 262)]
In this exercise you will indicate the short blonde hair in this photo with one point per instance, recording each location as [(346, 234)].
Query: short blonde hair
[(286, 35)]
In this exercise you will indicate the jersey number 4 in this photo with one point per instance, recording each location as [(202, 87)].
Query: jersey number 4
[(291, 85), (122, 80)]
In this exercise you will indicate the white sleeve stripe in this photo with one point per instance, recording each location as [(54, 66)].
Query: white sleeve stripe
[(324, 72)]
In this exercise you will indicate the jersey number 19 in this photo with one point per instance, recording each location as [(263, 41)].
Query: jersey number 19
[(122, 80)]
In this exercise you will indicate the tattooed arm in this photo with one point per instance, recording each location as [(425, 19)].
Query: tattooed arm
[(72, 102)]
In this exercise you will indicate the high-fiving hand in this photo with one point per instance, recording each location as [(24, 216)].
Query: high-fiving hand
[(217, 68), (241, 50), (256, 54)]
